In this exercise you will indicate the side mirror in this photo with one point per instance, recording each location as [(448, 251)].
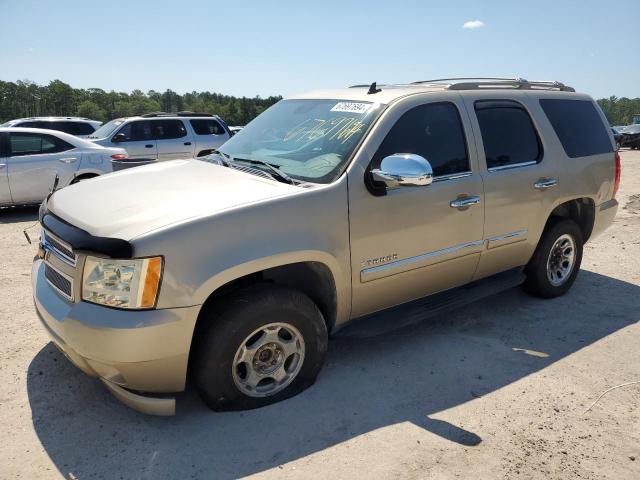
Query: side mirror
[(119, 137), (403, 170)]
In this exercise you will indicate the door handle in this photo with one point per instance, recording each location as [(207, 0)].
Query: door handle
[(68, 160), (2, 165), (464, 201), (187, 143), (148, 146), (545, 183)]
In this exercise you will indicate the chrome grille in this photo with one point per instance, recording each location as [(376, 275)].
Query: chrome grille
[(59, 281), (63, 251)]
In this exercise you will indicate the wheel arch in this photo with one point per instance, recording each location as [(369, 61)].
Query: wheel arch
[(316, 274), (581, 210), (84, 174)]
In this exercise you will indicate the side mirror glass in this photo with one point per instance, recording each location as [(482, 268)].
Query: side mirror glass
[(119, 137), (403, 170)]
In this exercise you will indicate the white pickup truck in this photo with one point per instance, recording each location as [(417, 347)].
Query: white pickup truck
[(162, 136)]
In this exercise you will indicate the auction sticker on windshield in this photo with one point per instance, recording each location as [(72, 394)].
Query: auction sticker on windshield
[(351, 107)]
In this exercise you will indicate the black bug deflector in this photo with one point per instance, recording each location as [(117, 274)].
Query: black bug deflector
[(81, 240)]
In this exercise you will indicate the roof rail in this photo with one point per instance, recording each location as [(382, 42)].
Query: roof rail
[(477, 83), (178, 114)]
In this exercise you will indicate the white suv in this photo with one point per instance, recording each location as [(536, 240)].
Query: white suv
[(163, 136), (78, 126)]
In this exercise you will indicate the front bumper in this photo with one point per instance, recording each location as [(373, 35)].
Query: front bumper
[(145, 350)]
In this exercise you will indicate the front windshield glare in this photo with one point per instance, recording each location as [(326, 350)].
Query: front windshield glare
[(107, 129), (307, 139)]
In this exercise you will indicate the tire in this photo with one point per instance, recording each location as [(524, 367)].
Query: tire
[(273, 318), (543, 277)]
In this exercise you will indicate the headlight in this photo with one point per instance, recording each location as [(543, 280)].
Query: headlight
[(131, 283)]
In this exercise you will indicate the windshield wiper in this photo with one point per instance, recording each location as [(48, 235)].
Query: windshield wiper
[(274, 171)]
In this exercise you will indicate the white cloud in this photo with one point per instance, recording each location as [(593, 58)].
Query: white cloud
[(473, 24)]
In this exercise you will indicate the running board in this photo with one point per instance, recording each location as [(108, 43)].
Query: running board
[(431, 306)]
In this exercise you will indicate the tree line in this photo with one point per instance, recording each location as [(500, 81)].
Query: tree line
[(619, 111), (27, 99)]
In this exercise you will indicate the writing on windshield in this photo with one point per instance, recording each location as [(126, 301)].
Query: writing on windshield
[(340, 129)]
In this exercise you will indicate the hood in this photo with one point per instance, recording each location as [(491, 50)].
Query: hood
[(135, 201)]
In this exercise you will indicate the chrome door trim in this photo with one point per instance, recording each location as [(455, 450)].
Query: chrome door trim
[(506, 239), (515, 165), (453, 176), (418, 261)]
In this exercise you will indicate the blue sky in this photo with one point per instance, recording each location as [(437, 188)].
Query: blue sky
[(263, 48)]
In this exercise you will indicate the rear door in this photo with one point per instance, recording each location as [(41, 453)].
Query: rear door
[(520, 178), (5, 193), (33, 162), (173, 140), (137, 139), (209, 134)]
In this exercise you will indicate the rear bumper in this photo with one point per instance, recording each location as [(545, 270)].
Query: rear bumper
[(140, 350), (605, 213)]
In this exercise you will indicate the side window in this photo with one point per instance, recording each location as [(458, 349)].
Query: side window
[(508, 134), (578, 126), (29, 125), (168, 129), (136, 131), (33, 144), (66, 127), (73, 128), (82, 128), (433, 131), (207, 127)]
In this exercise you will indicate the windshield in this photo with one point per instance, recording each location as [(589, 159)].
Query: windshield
[(309, 140), (107, 129)]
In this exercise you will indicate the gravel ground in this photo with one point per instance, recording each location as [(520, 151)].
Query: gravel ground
[(498, 389)]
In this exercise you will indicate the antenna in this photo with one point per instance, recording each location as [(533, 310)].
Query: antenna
[(373, 89)]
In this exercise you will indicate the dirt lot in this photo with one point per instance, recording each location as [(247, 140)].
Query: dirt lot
[(495, 390)]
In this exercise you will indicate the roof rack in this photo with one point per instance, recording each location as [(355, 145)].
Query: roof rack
[(478, 83), (178, 114)]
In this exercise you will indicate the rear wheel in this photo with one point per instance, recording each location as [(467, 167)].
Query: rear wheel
[(261, 345), (556, 261)]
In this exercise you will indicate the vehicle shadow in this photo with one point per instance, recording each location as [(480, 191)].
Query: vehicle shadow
[(18, 214), (407, 375)]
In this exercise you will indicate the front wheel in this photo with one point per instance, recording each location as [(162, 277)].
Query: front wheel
[(261, 345), (556, 261)]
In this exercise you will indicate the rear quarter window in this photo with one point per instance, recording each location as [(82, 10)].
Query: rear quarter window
[(578, 126), (207, 127)]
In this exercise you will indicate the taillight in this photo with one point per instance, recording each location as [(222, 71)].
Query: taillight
[(616, 181), (119, 156)]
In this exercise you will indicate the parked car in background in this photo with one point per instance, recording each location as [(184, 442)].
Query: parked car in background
[(235, 130), (163, 136), (328, 207), (630, 137), (78, 126), (30, 159), (616, 137)]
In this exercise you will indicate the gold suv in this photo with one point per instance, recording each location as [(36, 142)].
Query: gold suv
[(328, 207)]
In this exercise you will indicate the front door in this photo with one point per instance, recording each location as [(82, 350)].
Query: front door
[(137, 138), (5, 193), (413, 241), (33, 162), (519, 178)]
